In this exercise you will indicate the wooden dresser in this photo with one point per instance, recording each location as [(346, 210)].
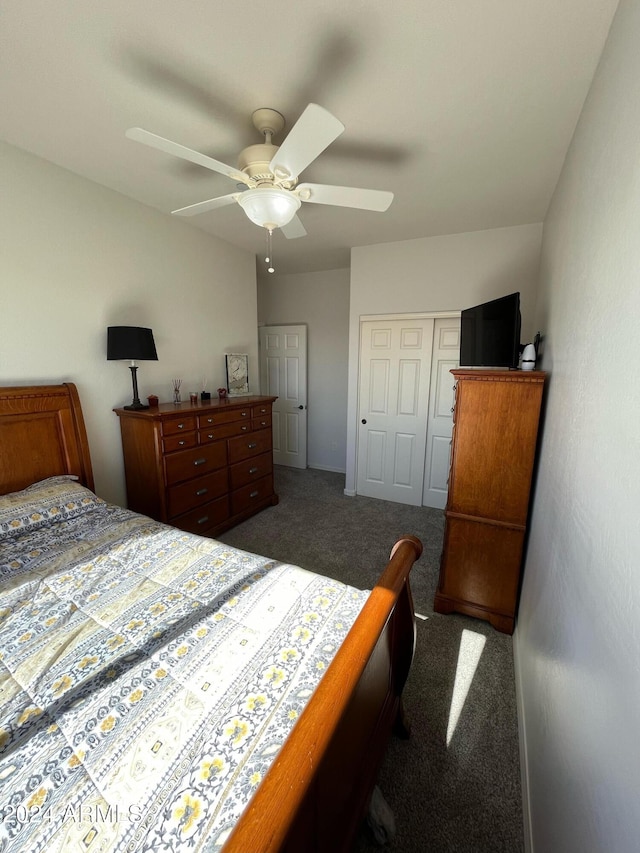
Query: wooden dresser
[(202, 467), (493, 450)]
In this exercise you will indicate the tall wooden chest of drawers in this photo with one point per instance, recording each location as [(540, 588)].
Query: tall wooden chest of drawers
[(493, 451), (202, 467)]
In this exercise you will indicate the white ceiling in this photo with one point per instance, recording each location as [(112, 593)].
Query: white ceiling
[(463, 108)]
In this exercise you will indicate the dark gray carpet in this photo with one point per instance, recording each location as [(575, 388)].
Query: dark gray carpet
[(448, 792)]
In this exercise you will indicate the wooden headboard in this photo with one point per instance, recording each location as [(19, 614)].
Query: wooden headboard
[(42, 434)]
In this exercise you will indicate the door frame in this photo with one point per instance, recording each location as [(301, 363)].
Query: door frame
[(352, 427)]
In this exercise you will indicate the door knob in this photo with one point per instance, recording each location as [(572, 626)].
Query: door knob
[(301, 407), (364, 420)]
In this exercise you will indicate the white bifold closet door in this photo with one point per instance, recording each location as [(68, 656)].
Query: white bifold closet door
[(445, 356), (404, 414)]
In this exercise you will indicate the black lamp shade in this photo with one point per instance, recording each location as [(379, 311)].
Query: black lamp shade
[(133, 343)]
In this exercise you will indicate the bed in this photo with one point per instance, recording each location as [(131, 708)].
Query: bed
[(162, 691)]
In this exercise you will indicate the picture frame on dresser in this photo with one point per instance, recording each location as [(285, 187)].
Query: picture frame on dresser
[(237, 366)]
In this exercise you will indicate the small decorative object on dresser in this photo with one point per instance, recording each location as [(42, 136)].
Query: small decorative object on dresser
[(237, 374), (529, 357), (493, 451), (202, 469)]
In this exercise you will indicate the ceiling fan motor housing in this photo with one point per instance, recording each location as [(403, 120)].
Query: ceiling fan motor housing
[(254, 162)]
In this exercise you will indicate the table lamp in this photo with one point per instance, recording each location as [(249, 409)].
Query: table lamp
[(131, 343)]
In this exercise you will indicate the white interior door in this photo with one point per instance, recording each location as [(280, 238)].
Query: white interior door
[(395, 365), (283, 374), (445, 357)]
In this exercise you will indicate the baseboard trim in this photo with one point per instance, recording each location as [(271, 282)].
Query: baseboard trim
[(326, 468), (522, 742), (350, 493)]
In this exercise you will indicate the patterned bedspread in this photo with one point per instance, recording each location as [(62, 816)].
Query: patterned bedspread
[(147, 677)]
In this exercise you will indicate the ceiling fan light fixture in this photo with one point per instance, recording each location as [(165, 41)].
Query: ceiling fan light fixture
[(269, 207)]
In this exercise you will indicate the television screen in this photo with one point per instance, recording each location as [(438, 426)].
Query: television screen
[(490, 333)]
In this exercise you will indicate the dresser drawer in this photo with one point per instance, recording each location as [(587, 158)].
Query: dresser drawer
[(244, 498), (258, 411), (213, 433), (261, 423), (179, 442), (196, 492), (203, 518), (213, 418), (194, 463), (251, 469), (174, 426), (246, 446)]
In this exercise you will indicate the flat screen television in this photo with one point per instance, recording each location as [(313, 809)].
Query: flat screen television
[(490, 333)]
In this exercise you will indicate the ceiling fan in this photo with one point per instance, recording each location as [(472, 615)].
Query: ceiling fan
[(270, 173)]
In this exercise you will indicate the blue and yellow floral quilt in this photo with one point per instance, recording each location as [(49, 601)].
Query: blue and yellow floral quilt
[(148, 677)]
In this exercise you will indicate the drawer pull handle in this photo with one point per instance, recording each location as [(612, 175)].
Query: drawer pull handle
[(262, 411), (263, 423), (180, 426), (181, 442), (209, 420), (200, 461), (244, 414), (252, 444), (202, 492), (244, 427), (203, 520), (210, 435), (254, 470), (254, 494)]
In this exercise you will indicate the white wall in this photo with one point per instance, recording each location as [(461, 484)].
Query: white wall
[(76, 258), (321, 301), (578, 635), (437, 274)]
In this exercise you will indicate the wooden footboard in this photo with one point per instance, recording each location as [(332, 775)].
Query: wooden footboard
[(316, 793)]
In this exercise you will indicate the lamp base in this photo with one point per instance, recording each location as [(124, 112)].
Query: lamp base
[(136, 405)]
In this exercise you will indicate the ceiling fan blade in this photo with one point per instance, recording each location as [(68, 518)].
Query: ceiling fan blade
[(204, 206), (379, 200), (294, 229), (162, 144), (311, 134)]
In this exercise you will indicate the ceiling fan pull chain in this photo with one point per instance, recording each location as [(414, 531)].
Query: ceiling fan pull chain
[(269, 257)]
